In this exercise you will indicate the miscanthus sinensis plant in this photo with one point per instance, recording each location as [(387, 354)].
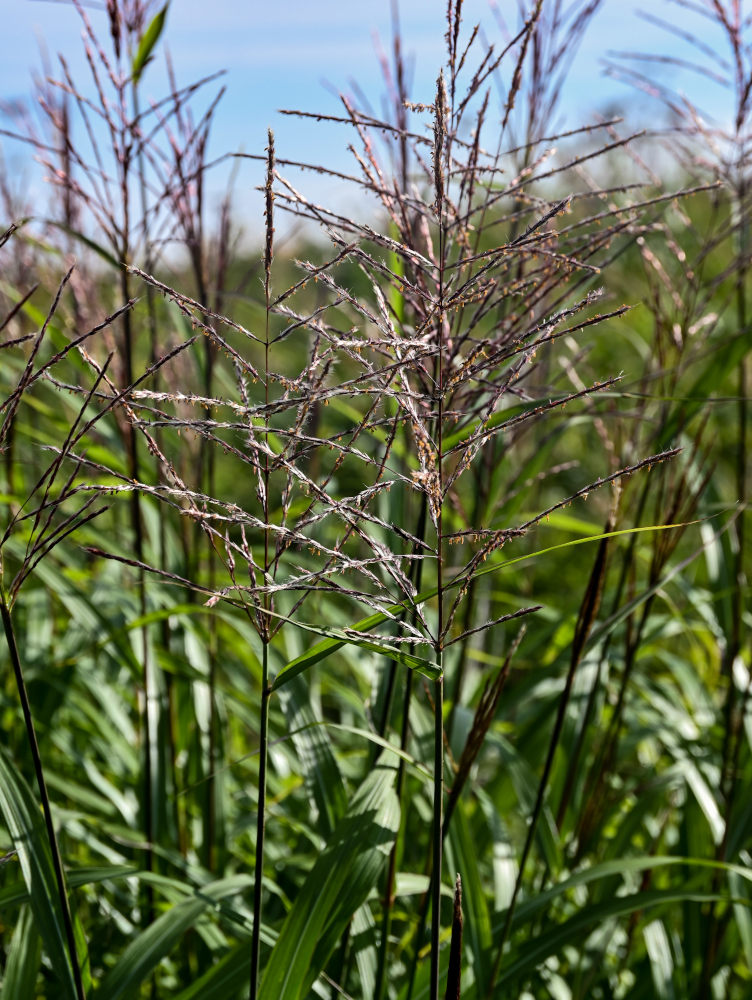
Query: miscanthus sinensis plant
[(395, 378), (341, 482)]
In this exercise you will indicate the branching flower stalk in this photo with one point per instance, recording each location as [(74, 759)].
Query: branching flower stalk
[(184, 178), (115, 211), (437, 505), (142, 151), (480, 365), (731, 19), (721, 150), (422, 393), (43, 544), (46, 521), (265, 622)]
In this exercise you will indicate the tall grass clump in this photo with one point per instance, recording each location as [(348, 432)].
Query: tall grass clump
[(700, 310), (130, 184), (385, 626), (49, 503)]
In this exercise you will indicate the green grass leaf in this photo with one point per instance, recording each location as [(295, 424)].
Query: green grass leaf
[(725, 359), (24, 957), (24, 822), (317, 760), (148, 41), (225, 979), (337, 886), (145, 952), (337, 640), (555, 937)]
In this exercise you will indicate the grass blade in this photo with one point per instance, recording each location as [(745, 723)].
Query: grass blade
[(24, 823), (24, 957), (148, 42), (145, 952), (328, 646), (337, 886)]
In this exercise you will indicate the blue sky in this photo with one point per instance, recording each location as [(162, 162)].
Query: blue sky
[(293, 52)]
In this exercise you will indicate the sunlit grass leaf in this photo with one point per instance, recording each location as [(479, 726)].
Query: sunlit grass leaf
[(145, 952), (24, 957), (338, 884), (24, 822), (536, 950), (317, 760), (338, 638), (328, 646), (661, 960), (363, 937)]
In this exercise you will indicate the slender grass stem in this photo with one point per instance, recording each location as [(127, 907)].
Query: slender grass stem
[(137, 530), (438, 501), (386, 916), (586, 616), (260, 824), (31, 737), (264, 624), (438, 802), (161, 537), (588, 610)]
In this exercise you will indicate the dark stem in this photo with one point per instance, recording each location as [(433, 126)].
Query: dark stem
[(438, 802), (264, 624), (438, 708), (260, 825), (138, 545), (388, 902), (386, 921)]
